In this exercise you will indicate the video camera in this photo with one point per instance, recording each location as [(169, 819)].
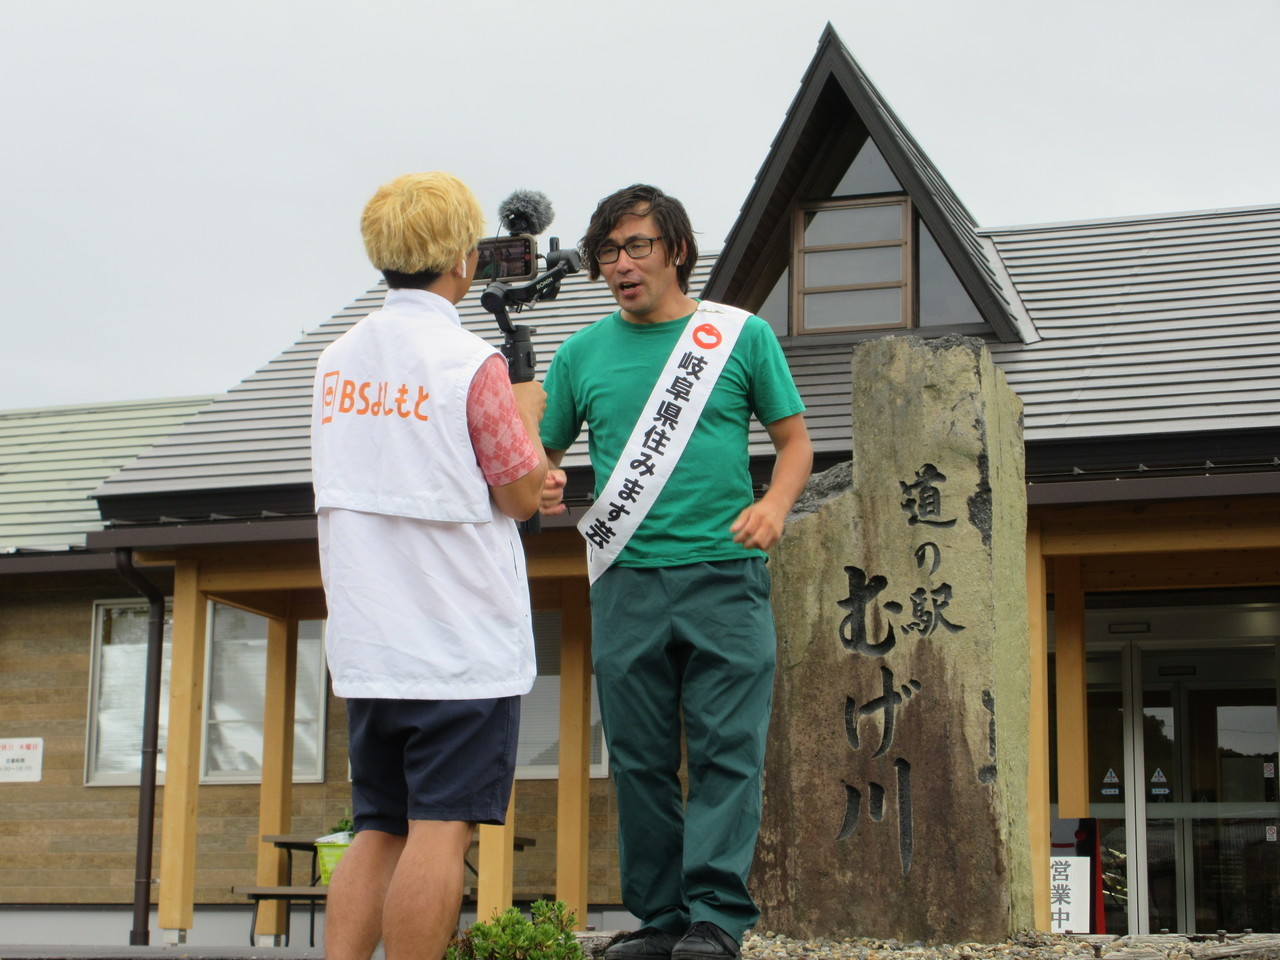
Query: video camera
[(504, 260)]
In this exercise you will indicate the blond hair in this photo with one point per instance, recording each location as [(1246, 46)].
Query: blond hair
[(421, 222)]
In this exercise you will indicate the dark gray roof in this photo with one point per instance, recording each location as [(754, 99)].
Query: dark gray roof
[(835, 110), (52, 458), (1150, 325)]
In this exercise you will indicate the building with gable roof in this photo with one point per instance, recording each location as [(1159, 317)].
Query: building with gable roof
[(1145, 352)]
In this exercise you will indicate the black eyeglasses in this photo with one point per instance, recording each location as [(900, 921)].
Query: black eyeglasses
[(637, 249)]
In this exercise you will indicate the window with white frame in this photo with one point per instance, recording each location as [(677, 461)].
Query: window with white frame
[(234, 689), (538, 752)]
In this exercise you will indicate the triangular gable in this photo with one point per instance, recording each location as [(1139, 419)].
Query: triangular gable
[(836, 109)]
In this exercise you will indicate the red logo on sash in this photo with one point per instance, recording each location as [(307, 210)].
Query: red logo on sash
[(707, 336)]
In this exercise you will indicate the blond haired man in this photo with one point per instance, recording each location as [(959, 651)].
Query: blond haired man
[(423, 458)]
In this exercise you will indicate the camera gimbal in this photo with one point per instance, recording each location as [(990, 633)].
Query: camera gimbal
[(498, 298)]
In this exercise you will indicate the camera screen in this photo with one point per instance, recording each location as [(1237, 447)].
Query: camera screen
[(506, 258)]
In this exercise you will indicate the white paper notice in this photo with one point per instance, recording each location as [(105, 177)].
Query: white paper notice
[(21, 759)]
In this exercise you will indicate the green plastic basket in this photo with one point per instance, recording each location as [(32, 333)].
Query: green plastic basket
[(327, 857)]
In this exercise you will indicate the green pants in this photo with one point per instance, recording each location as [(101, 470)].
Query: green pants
[(697, 641)]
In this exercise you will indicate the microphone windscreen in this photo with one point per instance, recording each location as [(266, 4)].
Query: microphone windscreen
[(526, 211)]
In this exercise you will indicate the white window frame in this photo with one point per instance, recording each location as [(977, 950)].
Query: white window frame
[(95, 778)]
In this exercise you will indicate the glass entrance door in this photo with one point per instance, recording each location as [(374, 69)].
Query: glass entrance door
[(1208, 785), (1183, 787)]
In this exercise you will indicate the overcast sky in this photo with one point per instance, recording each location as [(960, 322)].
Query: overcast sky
[(181, 183)]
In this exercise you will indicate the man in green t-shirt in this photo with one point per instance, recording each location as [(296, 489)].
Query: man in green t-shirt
[(681, 622)]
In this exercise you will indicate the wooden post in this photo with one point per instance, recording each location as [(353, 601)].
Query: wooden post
[(497, 860), (573, 796), (276, 792), (1038, 753), (1070, 687), (182, 763)]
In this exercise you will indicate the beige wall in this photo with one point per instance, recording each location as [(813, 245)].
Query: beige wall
[(64, 843)]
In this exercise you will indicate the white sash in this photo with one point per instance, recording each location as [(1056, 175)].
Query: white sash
[(658, 439)]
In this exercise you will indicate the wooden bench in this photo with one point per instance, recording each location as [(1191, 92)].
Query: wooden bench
[(311, 895)]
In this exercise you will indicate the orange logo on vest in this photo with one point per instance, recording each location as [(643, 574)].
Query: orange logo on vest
[(370, 399)]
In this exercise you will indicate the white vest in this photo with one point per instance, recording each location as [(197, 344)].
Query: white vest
[(424, 576)]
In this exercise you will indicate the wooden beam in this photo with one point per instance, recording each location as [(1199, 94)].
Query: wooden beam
[(182, 763), (281, 604), (1240, 523), (573, 789), (556, 552), (1038, 825), (1155, 539), (1217, 511), (239, 567), (558, 567), (255, 578), (497, 860), (276, 792), (307, 605), (1181, 571), (1070, 689)]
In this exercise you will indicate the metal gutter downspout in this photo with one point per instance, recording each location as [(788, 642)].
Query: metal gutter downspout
[(140, 935)]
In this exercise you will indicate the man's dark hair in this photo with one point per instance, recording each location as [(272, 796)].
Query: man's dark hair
[(413, 281), (642, 200)]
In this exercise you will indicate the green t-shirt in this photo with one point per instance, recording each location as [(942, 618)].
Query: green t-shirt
[(602, 376)]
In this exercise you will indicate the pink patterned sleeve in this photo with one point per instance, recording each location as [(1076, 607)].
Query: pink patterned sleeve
[(502, 447)]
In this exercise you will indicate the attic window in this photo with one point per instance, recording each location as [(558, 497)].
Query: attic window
[(852, 265)]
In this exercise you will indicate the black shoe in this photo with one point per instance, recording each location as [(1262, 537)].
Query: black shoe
[(647, 943), (706, 941)]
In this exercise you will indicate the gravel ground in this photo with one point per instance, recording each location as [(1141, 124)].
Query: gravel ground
[(766, 945), (1028, 946)]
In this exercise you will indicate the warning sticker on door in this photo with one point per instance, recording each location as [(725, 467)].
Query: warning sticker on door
[(1159, 777), (1111, 777)]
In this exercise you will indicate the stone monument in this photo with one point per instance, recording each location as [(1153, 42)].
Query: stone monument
[(895, 784)]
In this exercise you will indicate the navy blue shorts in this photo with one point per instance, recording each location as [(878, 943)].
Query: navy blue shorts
[(431, 760)]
